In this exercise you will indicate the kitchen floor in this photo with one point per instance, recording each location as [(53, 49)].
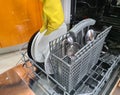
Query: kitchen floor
[(9, 60)]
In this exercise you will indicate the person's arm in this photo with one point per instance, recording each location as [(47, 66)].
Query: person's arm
[(53, 15)]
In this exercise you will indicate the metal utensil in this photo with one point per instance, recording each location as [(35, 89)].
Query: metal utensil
[(72, 49), (90, 36), (67, 42), (71, 38)]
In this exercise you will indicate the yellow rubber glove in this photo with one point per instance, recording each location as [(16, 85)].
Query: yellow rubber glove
[(53, 16)]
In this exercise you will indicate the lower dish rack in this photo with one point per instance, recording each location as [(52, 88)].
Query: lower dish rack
[(91, 84)]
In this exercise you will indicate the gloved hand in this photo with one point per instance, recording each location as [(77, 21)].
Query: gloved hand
[(41, 46), (53, 27)]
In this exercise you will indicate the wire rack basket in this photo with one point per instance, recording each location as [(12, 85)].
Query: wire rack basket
[(95, 79), (70, 71)]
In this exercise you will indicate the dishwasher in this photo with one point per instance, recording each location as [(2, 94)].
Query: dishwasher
[(80, 64)]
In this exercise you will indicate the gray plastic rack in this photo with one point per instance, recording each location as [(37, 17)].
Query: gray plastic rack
[(69, 72)]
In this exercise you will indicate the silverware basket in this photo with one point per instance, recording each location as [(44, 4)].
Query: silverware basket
[(70, 71)]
